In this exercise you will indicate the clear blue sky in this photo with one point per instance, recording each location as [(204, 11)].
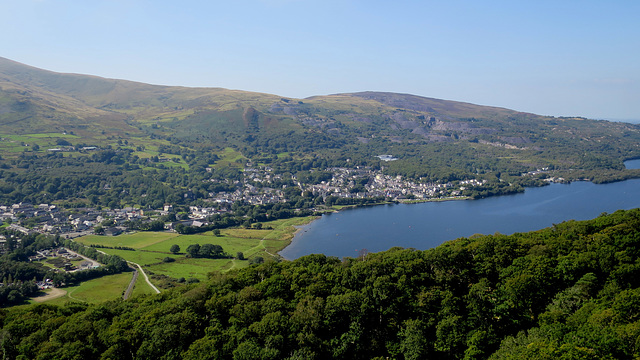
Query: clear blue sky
[(563, 58)]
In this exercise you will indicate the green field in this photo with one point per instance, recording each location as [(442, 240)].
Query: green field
[(53, 135), (141, 287), (153, 247), (108, 287), (144, 258), (230, 157), (137, 240), (193, 268)]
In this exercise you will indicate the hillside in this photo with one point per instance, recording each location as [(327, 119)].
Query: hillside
[(569, 292), (177, 130)]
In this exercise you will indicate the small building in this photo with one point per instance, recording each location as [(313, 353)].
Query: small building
[(112, 231), (386, 157)]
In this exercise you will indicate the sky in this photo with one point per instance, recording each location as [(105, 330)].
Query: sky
[(560, 58)]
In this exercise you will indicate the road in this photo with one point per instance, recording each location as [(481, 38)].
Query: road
[(93, 262)]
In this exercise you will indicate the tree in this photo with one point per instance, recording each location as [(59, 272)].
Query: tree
[(175, 249), (205, 250), (156, 225), (216, 232), (193, 250), (240, 255), (99, 230)]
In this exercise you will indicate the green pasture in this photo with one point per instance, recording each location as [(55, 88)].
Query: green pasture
[(98, 290), (230, 157), (153, 247), (12, 143), (137, 240), (140, 257), (194, 268), (185, 240), (110, 287), (53, 135), (141, 287)]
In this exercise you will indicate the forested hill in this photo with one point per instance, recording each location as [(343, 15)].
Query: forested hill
[(566, 292)]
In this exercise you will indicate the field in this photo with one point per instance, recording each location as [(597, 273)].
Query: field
[(110, 287), (152, 247), (230, 157)]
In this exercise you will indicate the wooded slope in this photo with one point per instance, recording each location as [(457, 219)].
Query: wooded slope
[(570, 291)]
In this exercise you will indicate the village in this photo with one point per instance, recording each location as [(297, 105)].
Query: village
[(260, 186)]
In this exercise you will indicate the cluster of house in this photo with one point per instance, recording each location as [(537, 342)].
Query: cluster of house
[(544, 170), (67, 256), (51, 219), (259, 186), (378, 185), (255, 188)]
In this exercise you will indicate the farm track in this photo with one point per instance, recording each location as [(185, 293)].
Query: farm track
[(145, 277), (127, 293), (143, 273)]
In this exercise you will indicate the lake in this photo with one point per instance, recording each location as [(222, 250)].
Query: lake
[(427, 225)]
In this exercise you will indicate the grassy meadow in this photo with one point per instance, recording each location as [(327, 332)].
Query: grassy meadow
[(110, 287), (152, 247)]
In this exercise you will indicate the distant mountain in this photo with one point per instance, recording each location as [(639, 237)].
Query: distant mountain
[(424, 133)]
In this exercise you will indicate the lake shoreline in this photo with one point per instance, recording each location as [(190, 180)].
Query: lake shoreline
[(291, 251), (300, 228), (429, 223)]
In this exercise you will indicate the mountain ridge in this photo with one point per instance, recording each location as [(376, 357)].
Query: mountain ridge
[(83, 87)]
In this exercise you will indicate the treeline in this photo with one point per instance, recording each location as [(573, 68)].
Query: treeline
[(495, 188), (98, 246), (112, 263), (110, 178), (246, 215), (567, 292), (209, 251)]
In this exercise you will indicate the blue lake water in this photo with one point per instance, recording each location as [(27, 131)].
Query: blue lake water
[(427, 225)]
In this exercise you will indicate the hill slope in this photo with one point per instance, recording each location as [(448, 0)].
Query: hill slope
[(433, 140)]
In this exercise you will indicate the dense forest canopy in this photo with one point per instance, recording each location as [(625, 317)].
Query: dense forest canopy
[(569, 291)]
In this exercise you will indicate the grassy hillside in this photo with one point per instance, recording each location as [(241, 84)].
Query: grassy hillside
[(434, 140)]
